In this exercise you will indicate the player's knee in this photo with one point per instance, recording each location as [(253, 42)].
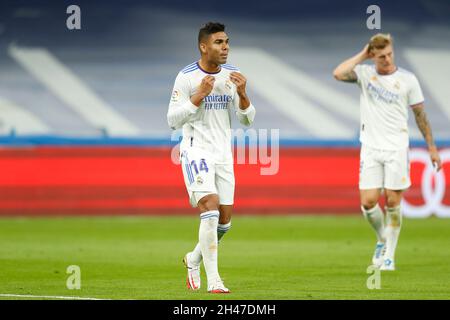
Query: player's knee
[(393, 198), (368, 203), (392, 202), (208, 203)]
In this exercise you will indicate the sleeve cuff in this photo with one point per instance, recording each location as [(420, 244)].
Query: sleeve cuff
[(415, 105), (191, 107), (247, 110)]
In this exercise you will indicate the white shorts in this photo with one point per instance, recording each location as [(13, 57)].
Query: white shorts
[(384, 169), (202, 176)]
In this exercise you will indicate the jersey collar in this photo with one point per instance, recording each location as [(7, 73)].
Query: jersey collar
[(385, 75), (198, 65)]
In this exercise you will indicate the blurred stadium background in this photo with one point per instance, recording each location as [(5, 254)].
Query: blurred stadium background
[(83, 133), (83, 112)]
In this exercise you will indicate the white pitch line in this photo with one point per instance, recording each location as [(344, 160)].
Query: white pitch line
[(7, 295)]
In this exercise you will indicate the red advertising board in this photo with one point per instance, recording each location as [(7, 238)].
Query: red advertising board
[(138, 180)]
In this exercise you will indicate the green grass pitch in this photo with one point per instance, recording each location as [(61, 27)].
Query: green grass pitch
[(262, 257)]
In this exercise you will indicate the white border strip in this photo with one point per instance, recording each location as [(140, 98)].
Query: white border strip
[(7, 295)]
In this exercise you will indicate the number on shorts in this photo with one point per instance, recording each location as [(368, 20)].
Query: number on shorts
[(203, 166)]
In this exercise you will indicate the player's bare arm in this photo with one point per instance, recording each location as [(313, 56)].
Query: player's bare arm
[(425, 128), (344, 71), (204, 89), (240, 81)]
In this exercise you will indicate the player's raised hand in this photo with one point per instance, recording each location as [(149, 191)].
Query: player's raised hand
[(207, 85), (240, 81), (203, 90), (365, 54), (435, 159)]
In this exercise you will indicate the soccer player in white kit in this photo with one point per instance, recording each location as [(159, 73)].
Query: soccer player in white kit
[(387, 92), (205, 95)]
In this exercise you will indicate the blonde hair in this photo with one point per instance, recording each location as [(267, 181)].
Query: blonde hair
[(380, 41)]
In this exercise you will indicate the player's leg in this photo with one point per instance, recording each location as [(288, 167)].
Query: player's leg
[(223, 227), (372, 211), (199, 176), (374, 215), (396, 181), (209, 215), (224, 220), (225, 187), (370, 184), (393, 226), (225, 184)]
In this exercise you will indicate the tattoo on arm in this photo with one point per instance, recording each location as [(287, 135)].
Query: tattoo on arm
[(350, 77), (423, 124)]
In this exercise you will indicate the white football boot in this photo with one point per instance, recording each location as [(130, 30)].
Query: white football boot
[(193, 273), (218, 287), (388, 265), (377, 259)]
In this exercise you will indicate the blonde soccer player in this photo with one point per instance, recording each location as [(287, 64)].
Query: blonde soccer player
[(387, 94)]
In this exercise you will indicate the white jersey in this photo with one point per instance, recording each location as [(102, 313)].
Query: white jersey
[(208, 126), (385, 100)]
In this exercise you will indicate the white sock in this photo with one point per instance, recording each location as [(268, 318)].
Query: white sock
[(222, 229), (392, 232), (196, 255), (376, 219), (208, 243)]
